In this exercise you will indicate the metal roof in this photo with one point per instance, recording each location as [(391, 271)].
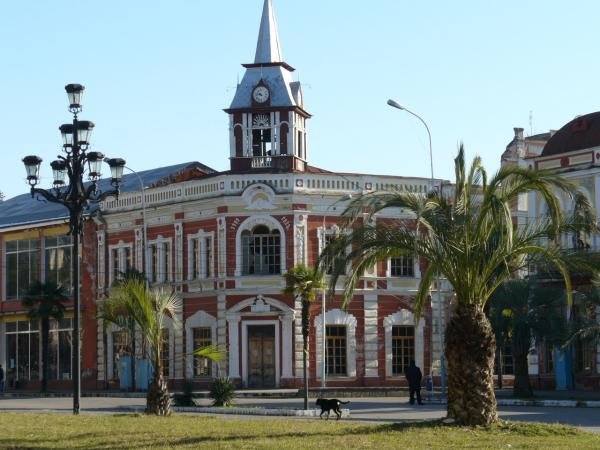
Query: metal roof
[(23, 209), (268, 49)]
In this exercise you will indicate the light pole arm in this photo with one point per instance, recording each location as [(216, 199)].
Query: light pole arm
[(429, 136)]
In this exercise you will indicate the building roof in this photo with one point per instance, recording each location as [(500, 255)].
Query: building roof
[(23, 209), (580, 133), (268, 49)]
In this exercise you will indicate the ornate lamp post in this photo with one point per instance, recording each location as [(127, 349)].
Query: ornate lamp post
[(70, 191)]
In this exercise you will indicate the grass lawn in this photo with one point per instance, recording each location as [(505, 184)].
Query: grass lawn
[(123, 431)]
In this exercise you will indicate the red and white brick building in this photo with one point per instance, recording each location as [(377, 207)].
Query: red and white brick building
[(223, 240)]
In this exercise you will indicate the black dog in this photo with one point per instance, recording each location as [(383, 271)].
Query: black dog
[(327, 404)]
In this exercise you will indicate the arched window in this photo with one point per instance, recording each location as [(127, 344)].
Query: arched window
[(261, 251)]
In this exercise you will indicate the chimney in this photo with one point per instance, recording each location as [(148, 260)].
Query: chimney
[(518, 134)]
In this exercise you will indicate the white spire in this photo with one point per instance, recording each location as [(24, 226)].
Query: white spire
[(267, 47)]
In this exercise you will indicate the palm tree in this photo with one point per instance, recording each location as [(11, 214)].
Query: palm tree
[(305, 283), (114, 311), (470, 239), (521, 310), (45, 301), (149, 308)]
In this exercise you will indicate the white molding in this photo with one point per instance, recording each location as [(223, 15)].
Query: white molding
[(283, 340), (197, 320), (120, 247), (165, 271), (403, 317), (338, 317), (245, 325), (200, 235), (248, 225)]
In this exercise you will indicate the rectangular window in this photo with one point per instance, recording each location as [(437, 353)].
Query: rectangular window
[(120, 348), (165, 352), (194, 260), (329, 238), (57, 260), (60, 348), (202, 338), (261, 252), (548, 358), (165, 268), (116, 266), (584, 356), (404, 266), (22, 266), (403, 348), (335, 359), (22, 351), (207, 257), (505, 358), (154, 262)]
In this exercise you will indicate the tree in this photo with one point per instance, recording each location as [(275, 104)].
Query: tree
[(115, 311), (522, 311), (468, 237), (304, 283), (585, 326), (45, 301), (149, 308)]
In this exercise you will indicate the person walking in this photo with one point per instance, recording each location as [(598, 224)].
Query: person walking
[(413, 376), (1, 378)]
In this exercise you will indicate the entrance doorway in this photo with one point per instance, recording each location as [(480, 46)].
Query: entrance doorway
[(261, 356)]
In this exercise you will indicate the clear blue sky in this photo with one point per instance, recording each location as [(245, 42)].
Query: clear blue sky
[(159, 73)]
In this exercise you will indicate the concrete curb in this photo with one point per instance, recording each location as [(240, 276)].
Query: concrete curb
[(538, 403), (256, 411)]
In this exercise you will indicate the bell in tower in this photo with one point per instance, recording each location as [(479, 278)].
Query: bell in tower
[(267, 118)]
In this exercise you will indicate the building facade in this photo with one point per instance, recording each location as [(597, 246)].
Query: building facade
[(222, 241), (573, 152)]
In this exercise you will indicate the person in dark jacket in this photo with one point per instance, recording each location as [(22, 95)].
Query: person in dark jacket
[(414, 376)]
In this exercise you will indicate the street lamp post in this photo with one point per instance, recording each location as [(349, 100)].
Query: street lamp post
[(76, 197), (395, 104)]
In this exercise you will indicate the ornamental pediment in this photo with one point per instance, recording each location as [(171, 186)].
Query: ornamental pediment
[(259, 196)]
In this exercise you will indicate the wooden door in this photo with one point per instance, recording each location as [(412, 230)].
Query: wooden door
[(261, 356)]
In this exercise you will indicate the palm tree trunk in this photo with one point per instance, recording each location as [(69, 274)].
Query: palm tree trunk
[(158, 400), (470, 346), (520, 342), (45, 353), (132, 332), (305, 331)]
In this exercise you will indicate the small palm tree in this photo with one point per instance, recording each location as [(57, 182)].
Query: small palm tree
[(149, 308), (304, 283), (470, 239), (114, 311), (45, 301)]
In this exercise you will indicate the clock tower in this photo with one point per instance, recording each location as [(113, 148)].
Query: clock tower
[(267, 119)]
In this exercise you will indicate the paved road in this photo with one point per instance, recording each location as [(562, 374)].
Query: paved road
[(380, 409)]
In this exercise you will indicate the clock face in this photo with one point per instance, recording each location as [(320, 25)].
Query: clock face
[(260, 94)]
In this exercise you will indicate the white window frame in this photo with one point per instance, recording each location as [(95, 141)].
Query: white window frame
[(338, 317), (120, 248), (200, 319), (165, 273), (248, 225), (403, 317), (334, 230), (201, 236), (416, 269)]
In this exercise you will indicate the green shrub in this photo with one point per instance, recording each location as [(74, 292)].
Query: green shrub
[(186, 398), (222, 392)]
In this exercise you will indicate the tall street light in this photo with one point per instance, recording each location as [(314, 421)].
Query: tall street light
[(395, 104), (70, 191)]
